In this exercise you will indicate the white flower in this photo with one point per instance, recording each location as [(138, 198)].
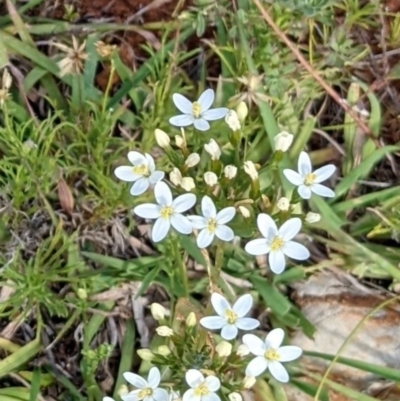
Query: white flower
[(143, 173), (162, 138), (202, 389), (164, 331), (212, 223), (242, 350), (313, 217), (192, 160), (167, 211), (180, 141), (277, 243), (174, 395), (230, 319), (157, 311), (223, 349), (283, 204), (213, 149), (210, 178), (283, 141), (308, 181), (230, 171), (232, 119), (187, 183), (197, 113), (269, 355), (145, 390), (108, 399), (249, 381), (250, 169), (235, 397)]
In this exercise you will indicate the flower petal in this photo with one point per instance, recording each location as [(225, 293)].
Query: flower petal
[(213, 383), (213, 322), (163, 194), (140, 186), (293, 177), (208, 208), (254, 344), (125, 173), (147, 211), (204, 238), (220, 304), (257, 247), (160, 229), (201, 124), (156, 176), (154, 378), (229, 332), (226, 215), (134, 379), (183, 202), (181, 223), (276, 260), (215, 114), (224, 233), (266, 226), (295, 251), (278, 371), (304, 191), (323, 173), (247, 323), (210, 397), (132, 396), (289, 353), (242, 306), (206, 99), (322, 190), (304, 164), (150, 162), (274, 338), (257, 366), (183, 120), (183, 104), (189, 395), (160, 394), (290, 228), (198, 222), (194, 377), (136, 158)]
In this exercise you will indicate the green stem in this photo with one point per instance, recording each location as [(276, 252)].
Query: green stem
[(181, 266), (219, 259)]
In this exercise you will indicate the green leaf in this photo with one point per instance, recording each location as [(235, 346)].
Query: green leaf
[(189, 245)]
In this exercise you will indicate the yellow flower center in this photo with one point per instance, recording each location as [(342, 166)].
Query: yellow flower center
[(272, 355), (276, 244), (309, 179), (146, 392), (196, 109), (201, 390), (166, 212), (141, 169), (230, 316), (211, 225)]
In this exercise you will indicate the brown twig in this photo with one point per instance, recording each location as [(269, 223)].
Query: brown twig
[(361, 124)]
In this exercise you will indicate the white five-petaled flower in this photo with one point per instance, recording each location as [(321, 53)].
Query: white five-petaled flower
[(167, 211), (197, 113), (212, 223), (277, 242), (146, 390), (142, 174), (308, 181), (230, 319), (202, 389), (270, 354)]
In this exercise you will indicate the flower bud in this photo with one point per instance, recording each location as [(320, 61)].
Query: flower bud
[(313, 217), (123, 390), (210, 178), (223, 349), (164, 331), (180, 142), (162, 138), (283, 204), (163, 350), (244, 212), (158, 311), (213, 149), (232, 120), (243, 350), (235, 397), (192, 160), (145, 354), (230, 172), (191, 320), (283, 141), (82, 293), (175, 176), (188, 184), (242, 111), (250, 169), (249, 381)]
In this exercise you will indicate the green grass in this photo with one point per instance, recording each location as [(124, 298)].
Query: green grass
[(57, 262)]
